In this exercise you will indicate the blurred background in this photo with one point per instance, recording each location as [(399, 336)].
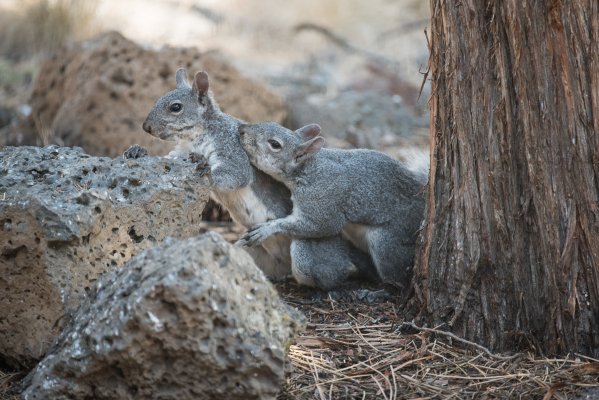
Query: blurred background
[(354, 66)]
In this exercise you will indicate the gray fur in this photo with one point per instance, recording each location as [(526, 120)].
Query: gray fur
[(201, 127), (211, 132), (250, 196), (329, 263), (333, 188)]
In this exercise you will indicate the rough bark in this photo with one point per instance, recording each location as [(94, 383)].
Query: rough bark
[(510, 247)]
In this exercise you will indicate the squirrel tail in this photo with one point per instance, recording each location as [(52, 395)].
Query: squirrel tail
[(417, 161)]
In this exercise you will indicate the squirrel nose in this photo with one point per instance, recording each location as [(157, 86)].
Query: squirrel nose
[(241, 129), (146, 127)]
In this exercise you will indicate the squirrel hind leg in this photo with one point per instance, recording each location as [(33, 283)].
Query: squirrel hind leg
[(393, 259), (323, 263)]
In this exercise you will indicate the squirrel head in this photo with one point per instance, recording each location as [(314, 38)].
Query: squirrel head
[(181, 113), (278, 151)]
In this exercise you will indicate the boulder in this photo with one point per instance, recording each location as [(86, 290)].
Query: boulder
[(97, 94), (67, 217), (189, 319)]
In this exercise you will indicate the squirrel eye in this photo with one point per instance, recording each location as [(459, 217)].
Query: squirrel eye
[(175, 107), (275, 145)]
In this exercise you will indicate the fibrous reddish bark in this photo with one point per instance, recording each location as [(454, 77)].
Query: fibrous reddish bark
[(510, 247)]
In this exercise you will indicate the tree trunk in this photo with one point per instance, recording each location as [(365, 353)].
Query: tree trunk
[(510, 247)]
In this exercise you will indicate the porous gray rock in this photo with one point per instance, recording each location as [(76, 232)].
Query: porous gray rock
[(188, 319), (67, 217)]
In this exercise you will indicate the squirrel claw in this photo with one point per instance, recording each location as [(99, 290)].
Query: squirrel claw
[(202, 166), (196, 158), (203, 169), (134, 151), (241, 243), (253, 236), (244, 241)]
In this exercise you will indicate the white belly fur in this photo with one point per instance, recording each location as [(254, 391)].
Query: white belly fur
[(182, 149), (247, 209), (244, 206)]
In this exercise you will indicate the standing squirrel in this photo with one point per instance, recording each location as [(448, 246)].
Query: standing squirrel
[(377, 199), (190, 116)]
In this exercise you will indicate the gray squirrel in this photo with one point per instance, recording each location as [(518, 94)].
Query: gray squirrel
[(190, 116), (376, 199)]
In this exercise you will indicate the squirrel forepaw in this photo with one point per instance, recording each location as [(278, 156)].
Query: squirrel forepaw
[(203, 169), (134, 151), (254, 236), (202, 166)]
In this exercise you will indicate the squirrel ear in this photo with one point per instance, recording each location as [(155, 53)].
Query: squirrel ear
[(309, 131), (308, 149), (201, 83), (182, 78)]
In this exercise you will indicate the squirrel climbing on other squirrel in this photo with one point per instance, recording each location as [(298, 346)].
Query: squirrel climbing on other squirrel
[(375, 198), (190, 116)]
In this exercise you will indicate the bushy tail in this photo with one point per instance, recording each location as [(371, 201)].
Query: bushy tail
[(417, 161)]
